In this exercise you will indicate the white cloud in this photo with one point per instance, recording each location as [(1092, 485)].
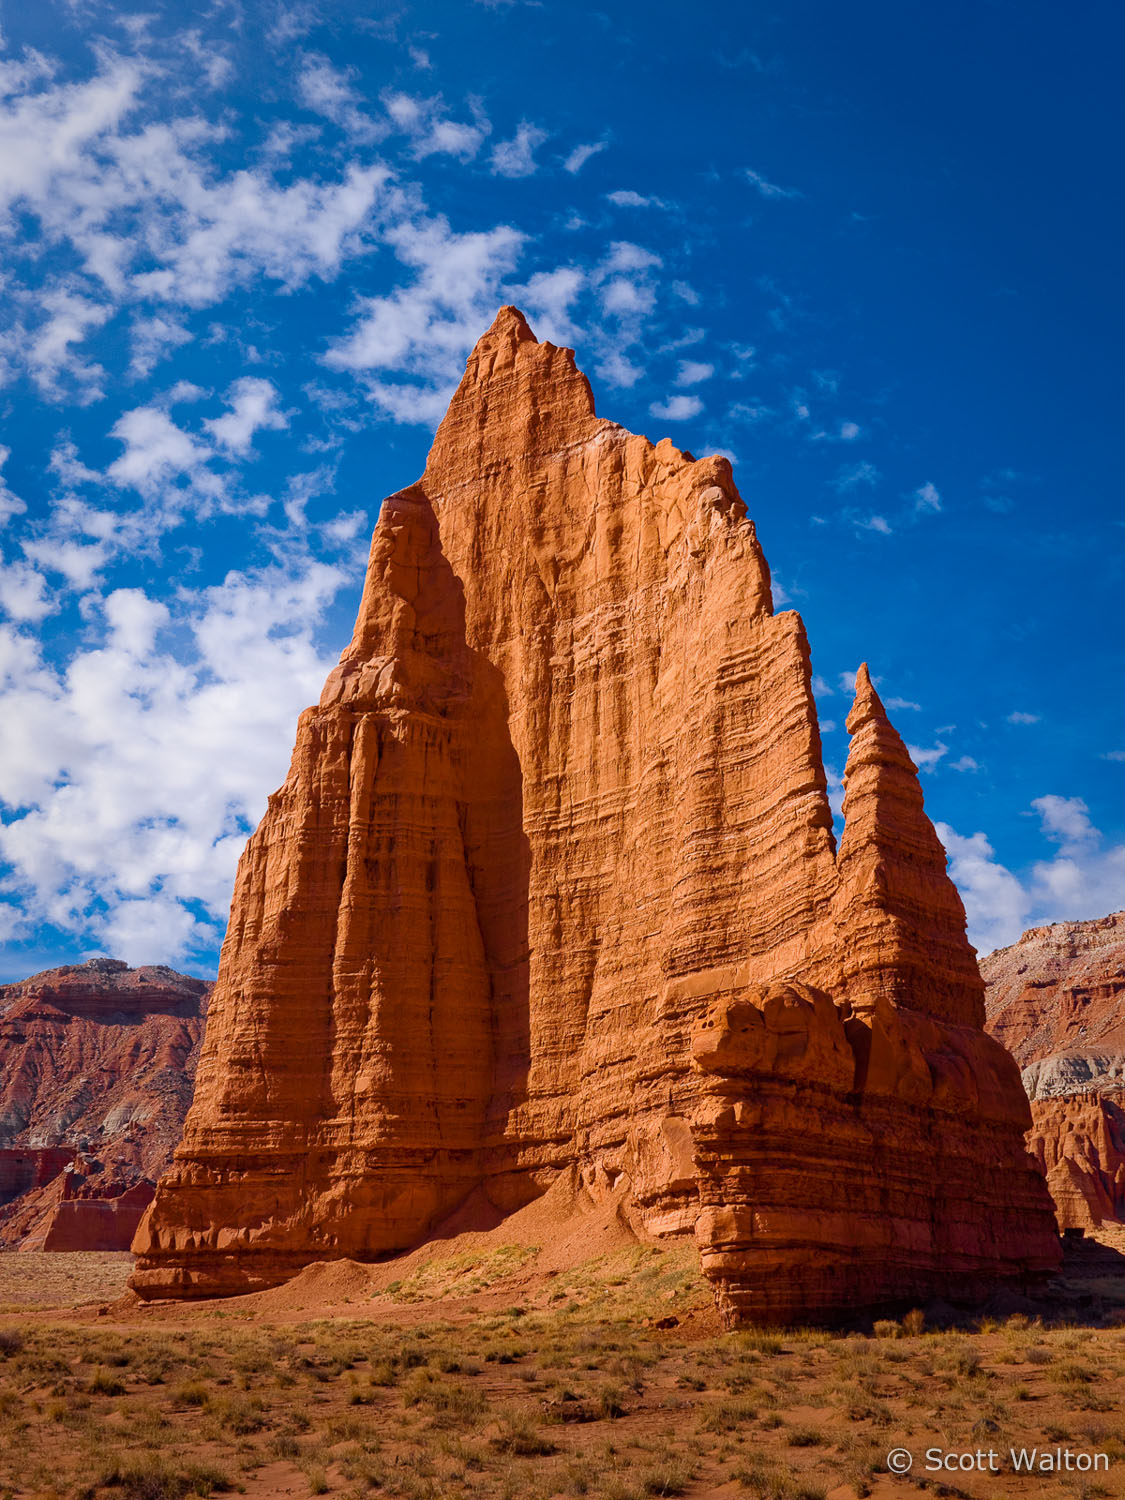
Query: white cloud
[(996, 904), (23, 593), (903, 703), (623, 255), (849, 431), (927, 500), (424, 330), (1116, 755), (253, 407), (1066, 821), (10, 504), (1019, 717), (964, 763), (549, 297), (135, 771), (767, 189), (855, 476), (516, 158), (148, 213), (156, 450), (927, 758), (692, 371), (627, 198), (1084, 879), (78, 562), (623, 296), (876, 523), (431, 132), (50, 355), (581, 155), (152, 339), (677, 408), (328, 91)]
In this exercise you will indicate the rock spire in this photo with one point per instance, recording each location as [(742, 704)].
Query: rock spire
[(552, 887)]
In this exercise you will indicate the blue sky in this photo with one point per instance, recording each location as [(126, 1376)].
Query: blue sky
[(870, 252)]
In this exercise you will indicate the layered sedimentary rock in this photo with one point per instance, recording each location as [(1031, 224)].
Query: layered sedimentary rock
[(97, 1066), (1056, 999), (1079, 1140), (554, 843)]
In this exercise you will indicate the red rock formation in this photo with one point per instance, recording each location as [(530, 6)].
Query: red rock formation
[(97, 1064), (1056, 999), (23, 1171), (1079, 1141), (560, 809)]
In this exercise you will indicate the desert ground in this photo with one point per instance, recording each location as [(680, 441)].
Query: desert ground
[(583, 1365)]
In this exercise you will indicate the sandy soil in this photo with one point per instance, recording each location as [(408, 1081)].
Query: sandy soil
[(35, 1279), (534, 1362)]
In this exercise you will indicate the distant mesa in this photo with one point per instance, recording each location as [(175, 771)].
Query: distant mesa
[(551, 891), (97, 1066), (1056, 999)]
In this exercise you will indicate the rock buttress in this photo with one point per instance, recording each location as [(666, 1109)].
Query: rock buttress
[(561, 807)]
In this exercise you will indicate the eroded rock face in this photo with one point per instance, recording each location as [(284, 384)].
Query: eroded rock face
[(97, 1064), (1056, 999), (552, 886)]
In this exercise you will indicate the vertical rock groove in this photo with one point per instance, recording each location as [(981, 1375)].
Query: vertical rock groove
[(552, 886)]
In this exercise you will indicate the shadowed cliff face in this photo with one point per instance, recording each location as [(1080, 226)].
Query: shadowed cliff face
[(1057, 1000), (560, 816)]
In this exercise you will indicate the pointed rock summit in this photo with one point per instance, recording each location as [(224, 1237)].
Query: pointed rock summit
[(551, 890)]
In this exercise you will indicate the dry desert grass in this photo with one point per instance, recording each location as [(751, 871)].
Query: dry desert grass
[(439, 1385)]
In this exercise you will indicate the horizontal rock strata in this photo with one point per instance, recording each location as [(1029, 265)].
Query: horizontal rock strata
[(97, 1065), (1056, 999), (559, 821)]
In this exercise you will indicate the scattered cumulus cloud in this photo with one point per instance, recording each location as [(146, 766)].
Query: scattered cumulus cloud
[(856, 476), (409, 345), (431, 131), (927, 757), (156, 450), (926, 499), (581, 155), (253, 407), (10, 504), (1018, 716), (1085, 877), (876, 523), (627, 198), (693, 371), (677, 408), (516, 158), (136, 772)]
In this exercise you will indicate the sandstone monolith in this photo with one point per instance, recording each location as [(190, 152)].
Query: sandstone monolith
[(552, 887)]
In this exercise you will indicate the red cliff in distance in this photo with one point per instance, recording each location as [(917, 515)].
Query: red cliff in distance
[(552, 888), (97, 1064), (1056, 999)]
